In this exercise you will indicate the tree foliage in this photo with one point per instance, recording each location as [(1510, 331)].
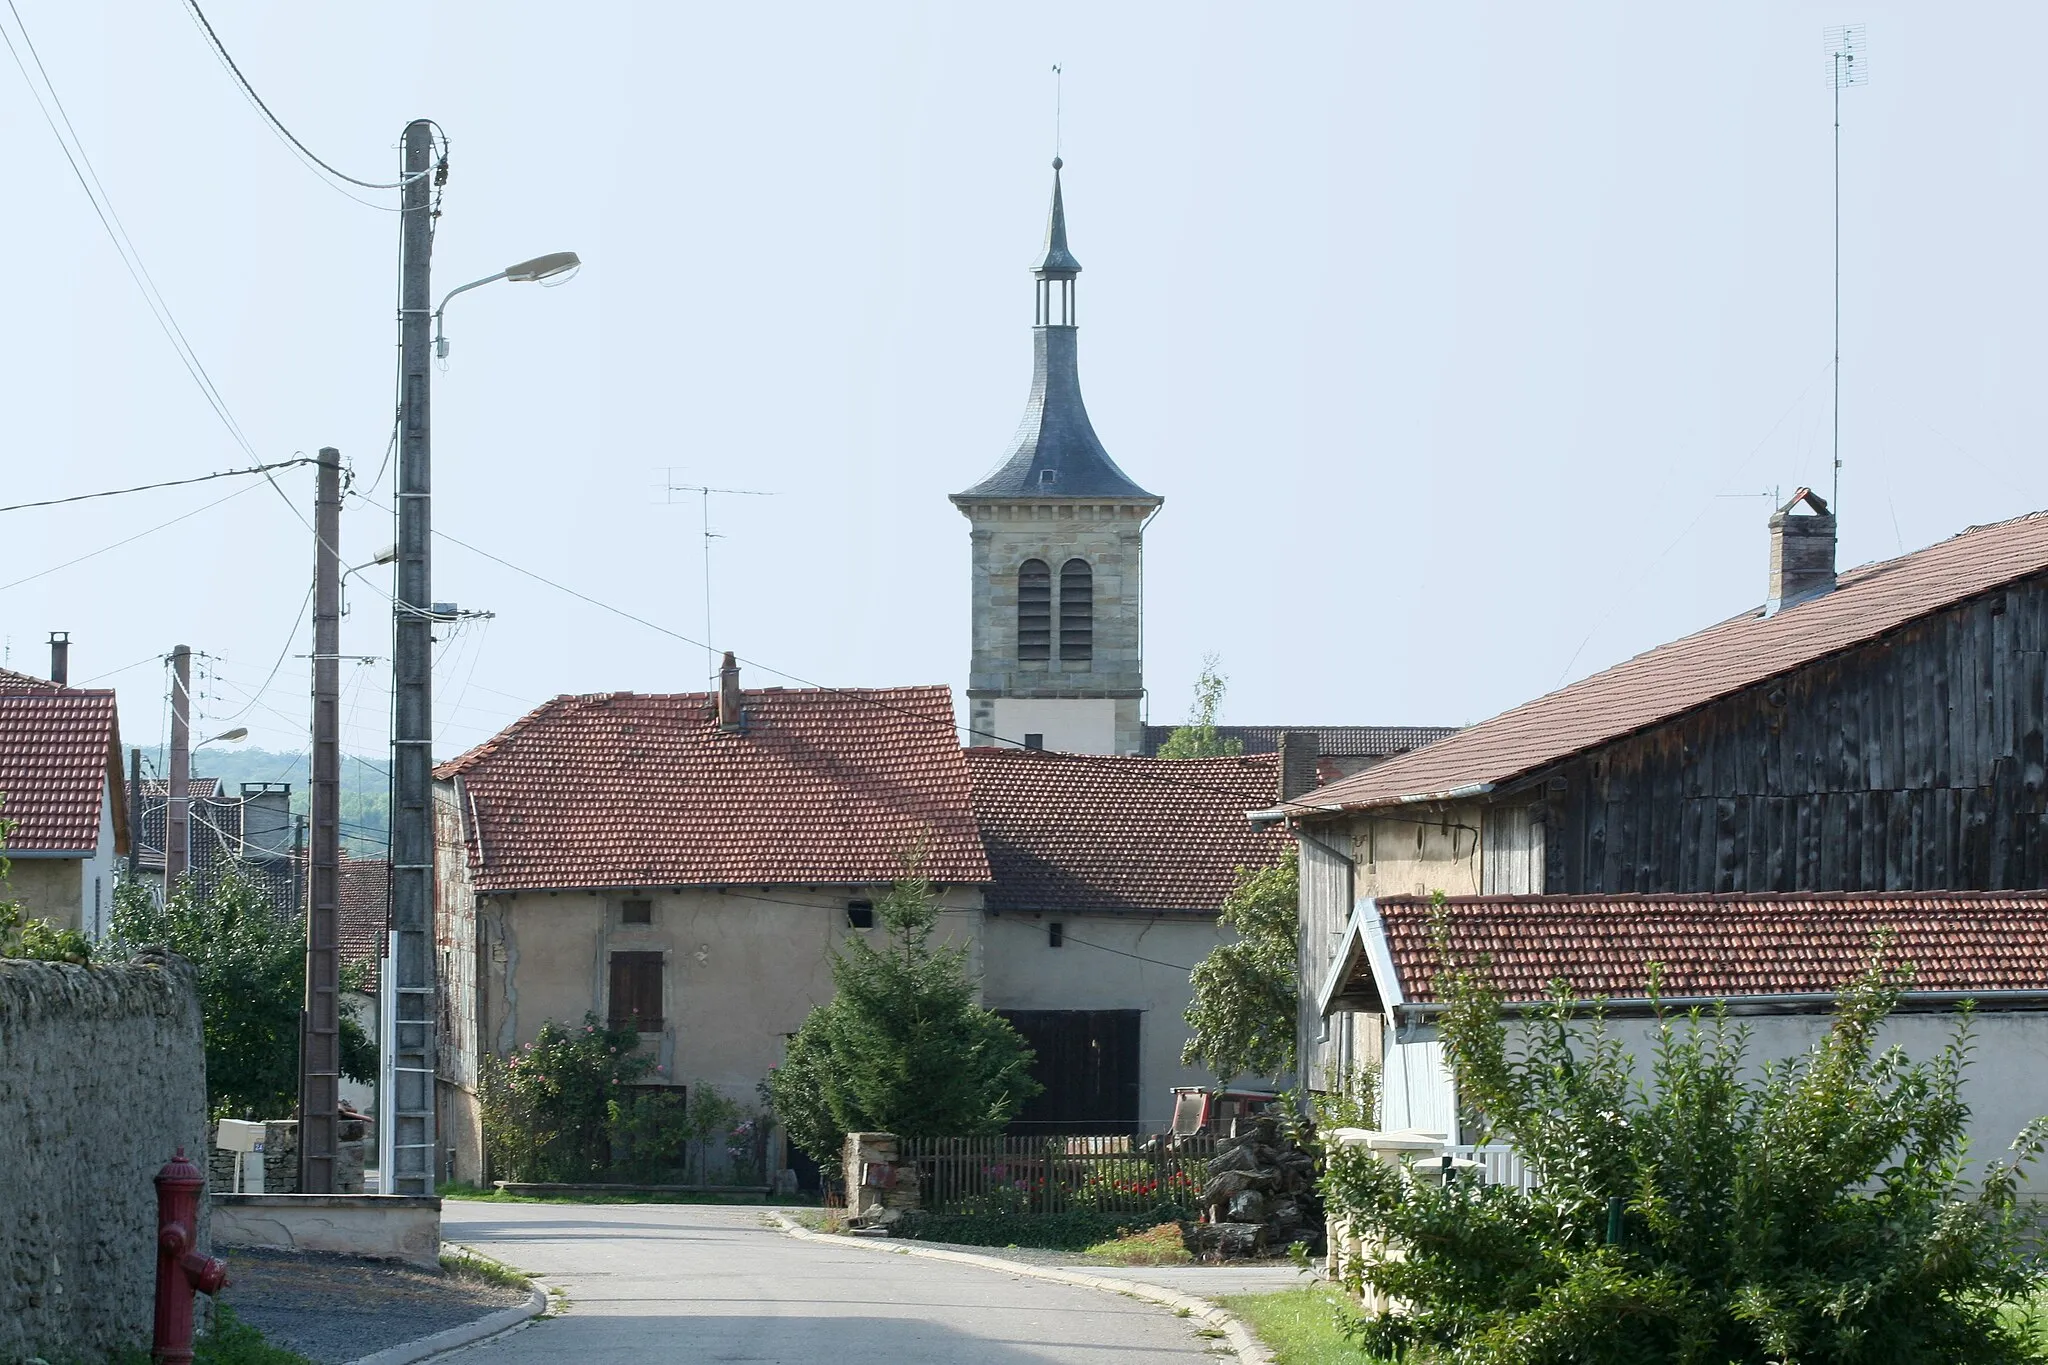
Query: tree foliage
[(251, 964), (1245, 997), (1198, 738), (21, 936), (1815, 1210), (549, 1107), (902, 1047)]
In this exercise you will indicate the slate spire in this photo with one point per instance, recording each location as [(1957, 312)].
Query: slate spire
[(1056, 453)]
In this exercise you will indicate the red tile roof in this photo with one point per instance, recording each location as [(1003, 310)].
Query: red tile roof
[(11, 681), (365, 906), (1691, 672), (1094, 832), (59, 749), (1712, 946), (626, 790), (1332, 741)]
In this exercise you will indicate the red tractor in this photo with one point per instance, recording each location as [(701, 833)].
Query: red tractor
[(1219, 1112)]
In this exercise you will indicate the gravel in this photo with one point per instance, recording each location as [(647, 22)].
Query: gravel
[(338, 1308)]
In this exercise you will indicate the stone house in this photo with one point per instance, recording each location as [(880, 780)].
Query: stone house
[(364, 915), (63, 794), (1775, 961), (1883, 730)]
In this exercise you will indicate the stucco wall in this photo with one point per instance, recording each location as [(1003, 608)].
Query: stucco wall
[(742, 968), (1099, 967), (102, 1078), (47, 888)]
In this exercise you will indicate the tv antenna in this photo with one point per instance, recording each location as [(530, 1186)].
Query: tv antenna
[(1847, 66), (704, 495)]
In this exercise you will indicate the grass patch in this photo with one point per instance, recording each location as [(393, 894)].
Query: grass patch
[(1161, 1245), (821, 1220), (467, 1264), (1299, 1325), (1074, 1230)]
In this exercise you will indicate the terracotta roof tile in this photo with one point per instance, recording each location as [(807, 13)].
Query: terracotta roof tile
[(365, 907), (1094, 832), (1712, 946), (1332, 741), (624, 790), (1721, 659), (55, 750)]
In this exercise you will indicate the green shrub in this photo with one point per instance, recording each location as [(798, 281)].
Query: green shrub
[(548, 1107), (1811, 1211)]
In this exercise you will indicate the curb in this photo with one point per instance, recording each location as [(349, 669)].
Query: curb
[(1248, 1348), (469, 1333)]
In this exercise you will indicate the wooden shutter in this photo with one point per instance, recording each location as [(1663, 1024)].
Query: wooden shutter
[(636, 991), (1034, 610)]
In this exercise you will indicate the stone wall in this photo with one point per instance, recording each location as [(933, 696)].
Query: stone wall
[(103, 1074), (281, 1160)]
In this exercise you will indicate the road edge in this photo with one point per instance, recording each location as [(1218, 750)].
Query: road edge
[(466, 1334), (1250, 1350)]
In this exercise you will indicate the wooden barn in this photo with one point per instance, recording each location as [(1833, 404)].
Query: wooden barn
[(1878, 731)]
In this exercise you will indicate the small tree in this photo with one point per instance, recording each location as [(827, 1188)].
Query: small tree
[(1245, 998), (251, 963), (1811, 1211), (1198, 738), (552, 1107), (902, 1047), (21, 936)]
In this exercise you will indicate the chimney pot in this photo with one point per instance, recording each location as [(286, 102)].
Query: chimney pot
[(60, 657), (1300, 751), (731, 709), (1802, 552)]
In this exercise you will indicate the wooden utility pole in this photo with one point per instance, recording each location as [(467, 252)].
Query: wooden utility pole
[(410, 1110), (178, 804), (320, 1022)]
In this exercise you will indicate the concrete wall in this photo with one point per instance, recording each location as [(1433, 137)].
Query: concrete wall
[(102, 1078), (742, 969), (48, 888), (1080, 725), (395, 1227), (1099, 967)]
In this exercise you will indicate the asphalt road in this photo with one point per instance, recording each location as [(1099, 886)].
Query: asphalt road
[(694, 1282)]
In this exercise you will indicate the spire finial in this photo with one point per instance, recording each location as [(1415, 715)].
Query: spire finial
[(1056, 261)]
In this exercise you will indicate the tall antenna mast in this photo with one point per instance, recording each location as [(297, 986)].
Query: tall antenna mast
[(1846, 67), (1059, 82), (704, 497)]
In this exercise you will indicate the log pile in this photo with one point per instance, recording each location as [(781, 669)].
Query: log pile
[(1260, 1196)]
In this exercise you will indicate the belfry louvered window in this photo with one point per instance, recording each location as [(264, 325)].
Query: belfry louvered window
[(1077, 611), (1034, 610)]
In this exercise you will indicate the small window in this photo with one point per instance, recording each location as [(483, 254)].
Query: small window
[(1048, 477), (636, 912), (1077, 612), (1033, 740), (636, 992), (1034, 610), (860, 914), (1055, 935)]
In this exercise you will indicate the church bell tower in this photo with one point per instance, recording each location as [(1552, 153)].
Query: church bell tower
[(1058, 556)]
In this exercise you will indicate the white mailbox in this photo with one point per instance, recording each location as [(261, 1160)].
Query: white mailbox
[(245, 1138)]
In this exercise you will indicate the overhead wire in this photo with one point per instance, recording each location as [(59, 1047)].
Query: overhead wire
[(293, 634), (127, 540), (166, 483), (117, 232)]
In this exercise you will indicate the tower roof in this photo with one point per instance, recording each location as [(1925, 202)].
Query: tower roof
[(1056, 453)]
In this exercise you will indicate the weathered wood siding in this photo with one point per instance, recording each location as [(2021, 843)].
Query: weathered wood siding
[(1326, 892), (1913, 763)]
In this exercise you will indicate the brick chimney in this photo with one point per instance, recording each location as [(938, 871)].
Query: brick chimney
[(1299, 752), (1802, 552), (731, 705), (60, 657)]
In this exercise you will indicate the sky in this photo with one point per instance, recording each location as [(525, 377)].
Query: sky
[(1465, 342)]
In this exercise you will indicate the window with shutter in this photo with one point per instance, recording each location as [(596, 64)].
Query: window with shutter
[(636, 992), (1077, 611), (1034, 610)]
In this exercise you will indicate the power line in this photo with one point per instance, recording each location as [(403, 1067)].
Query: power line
[(167, 483), (256, 697), (94, 554), (277, 125), (117, 232)]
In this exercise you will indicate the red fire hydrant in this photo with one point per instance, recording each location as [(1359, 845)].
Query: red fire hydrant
[(180, 1269)]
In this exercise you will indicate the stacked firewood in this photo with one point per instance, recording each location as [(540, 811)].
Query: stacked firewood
[(1260, 1195)]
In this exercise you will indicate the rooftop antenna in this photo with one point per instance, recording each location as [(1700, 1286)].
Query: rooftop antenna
[(1847, 66), (1059, 80), (704, 502)]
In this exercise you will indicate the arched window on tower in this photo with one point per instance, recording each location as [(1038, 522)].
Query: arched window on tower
[(1034, 610), (1077, 611)]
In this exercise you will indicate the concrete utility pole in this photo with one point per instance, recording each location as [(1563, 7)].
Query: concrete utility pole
[(320, 1023), (410, 1110), (178, 805)]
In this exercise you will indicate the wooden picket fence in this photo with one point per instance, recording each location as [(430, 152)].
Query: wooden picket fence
[(1042, 1175)]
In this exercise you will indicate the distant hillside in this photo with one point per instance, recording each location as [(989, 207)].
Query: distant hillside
[(365, 788)]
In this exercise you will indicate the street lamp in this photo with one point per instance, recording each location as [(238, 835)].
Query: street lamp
[(234, 736), (526, 272), (387, 555)]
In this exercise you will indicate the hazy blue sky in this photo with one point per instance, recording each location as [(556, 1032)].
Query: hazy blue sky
[(1441, 328)]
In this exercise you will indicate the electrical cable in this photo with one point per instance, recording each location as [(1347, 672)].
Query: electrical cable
[(220, 50), (167, 483), (293, 634), (93, 554), (117, 232)]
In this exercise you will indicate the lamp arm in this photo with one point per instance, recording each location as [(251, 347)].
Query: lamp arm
[(460, 289)]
